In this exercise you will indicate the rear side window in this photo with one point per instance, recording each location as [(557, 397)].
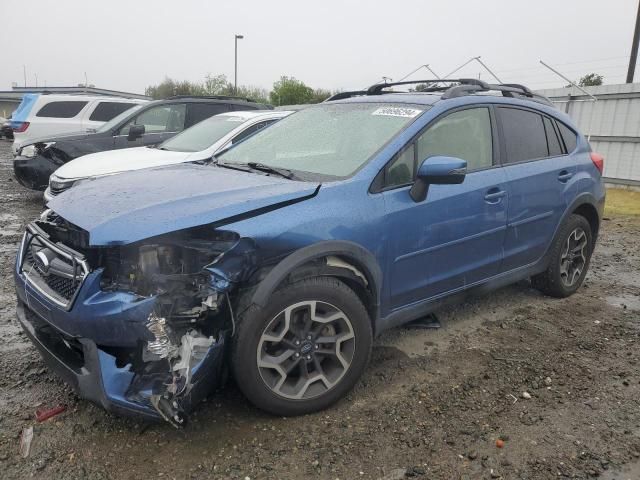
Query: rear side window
[(524, 135), (555, 148), (65, 109), (196, 112), (569, 136), (105, 111), (234, 107)]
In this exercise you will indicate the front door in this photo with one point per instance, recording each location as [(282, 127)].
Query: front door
[(454, 237), (160, 123)]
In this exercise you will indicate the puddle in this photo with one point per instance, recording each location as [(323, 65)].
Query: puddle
[(631, 302)]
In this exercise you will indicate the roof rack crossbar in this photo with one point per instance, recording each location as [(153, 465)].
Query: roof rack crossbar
[(378, 87)]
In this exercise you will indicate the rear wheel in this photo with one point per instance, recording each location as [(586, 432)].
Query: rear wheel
[(570, 257), (305, 350)]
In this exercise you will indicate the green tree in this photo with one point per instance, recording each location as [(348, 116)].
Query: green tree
[(591, 80), (320, 95), (290, 91), (168, 88)]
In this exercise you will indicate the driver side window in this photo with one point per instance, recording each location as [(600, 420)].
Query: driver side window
[(464, 134), (160, 119)]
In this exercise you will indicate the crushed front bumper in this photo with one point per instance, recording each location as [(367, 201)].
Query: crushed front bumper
[(76, 343), (90, 371), (34, 172)]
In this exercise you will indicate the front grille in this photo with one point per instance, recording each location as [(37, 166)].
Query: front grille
[(54, 272)]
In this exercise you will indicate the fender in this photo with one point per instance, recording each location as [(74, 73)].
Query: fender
[(360, 256), (585, 198)]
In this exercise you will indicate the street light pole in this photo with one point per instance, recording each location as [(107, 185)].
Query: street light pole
[(235, 76)]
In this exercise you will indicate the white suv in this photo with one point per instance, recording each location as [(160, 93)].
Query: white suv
[(40, 115)]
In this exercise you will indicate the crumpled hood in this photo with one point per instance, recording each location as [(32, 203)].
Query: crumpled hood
[(125, 208), (115, 161)]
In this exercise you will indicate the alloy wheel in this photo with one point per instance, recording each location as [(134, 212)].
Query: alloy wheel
[(574, 257), (305, 350)]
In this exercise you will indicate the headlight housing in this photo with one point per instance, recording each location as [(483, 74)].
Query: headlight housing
[(34, 149), (57, 184)]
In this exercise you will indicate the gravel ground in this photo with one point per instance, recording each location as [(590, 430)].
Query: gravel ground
[(556, 381)]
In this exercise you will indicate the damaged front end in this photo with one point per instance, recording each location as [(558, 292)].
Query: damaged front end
[(158, 313)]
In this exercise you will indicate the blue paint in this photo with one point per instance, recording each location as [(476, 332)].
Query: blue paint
[(21, 113)]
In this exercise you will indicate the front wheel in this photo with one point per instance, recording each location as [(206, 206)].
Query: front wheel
[(303, 351), (570, 257)]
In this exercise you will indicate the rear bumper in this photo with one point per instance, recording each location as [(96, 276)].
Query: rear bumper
[(33, 172)]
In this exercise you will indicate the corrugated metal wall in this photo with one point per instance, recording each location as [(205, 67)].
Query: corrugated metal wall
[(612, 122)]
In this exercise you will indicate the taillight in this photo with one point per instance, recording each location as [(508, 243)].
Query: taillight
[(22, 128), (598, 161)]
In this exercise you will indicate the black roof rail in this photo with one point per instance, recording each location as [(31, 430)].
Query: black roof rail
[(341, 95), (211, 97)]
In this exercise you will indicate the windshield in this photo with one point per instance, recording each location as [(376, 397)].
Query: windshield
[(328, 139), (105, 127), (202, 135)]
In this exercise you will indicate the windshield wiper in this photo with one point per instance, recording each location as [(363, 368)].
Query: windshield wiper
[(282, 172), (261, 167)]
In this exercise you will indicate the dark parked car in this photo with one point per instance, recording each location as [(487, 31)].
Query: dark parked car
[(284, 257), (147, 124), (5, 128)]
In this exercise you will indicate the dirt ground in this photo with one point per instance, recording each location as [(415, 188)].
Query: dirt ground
[(431, 405)]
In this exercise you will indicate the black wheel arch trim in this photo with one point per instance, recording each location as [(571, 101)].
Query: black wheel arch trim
[(362, 258), (584, 198)]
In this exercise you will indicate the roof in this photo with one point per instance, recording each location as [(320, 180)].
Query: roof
[(67, 97), (396, 97), (78, 90)]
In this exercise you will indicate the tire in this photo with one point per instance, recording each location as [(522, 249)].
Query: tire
[(558, 280), (257, 349)]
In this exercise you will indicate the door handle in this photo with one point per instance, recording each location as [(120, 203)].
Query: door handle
[(564, 176), (494, 195)]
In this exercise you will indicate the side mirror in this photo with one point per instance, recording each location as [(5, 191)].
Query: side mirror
[(437, 170), (135, 131)]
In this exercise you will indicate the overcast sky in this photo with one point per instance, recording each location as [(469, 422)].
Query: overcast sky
[(128, 45)]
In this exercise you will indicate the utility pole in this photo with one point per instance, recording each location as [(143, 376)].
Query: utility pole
[(634, 49), (235, 75)]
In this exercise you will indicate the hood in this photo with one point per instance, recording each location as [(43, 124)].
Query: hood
[(116, 161), (67, 137), (121, 209)]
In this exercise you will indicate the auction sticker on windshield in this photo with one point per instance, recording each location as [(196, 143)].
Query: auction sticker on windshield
[(397, 112)]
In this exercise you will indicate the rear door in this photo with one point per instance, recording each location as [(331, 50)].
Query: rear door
[(198, 111), (160, 123), (539, 176), (57, 117)]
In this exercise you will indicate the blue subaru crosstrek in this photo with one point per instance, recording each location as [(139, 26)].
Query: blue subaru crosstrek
[(280, 260)]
